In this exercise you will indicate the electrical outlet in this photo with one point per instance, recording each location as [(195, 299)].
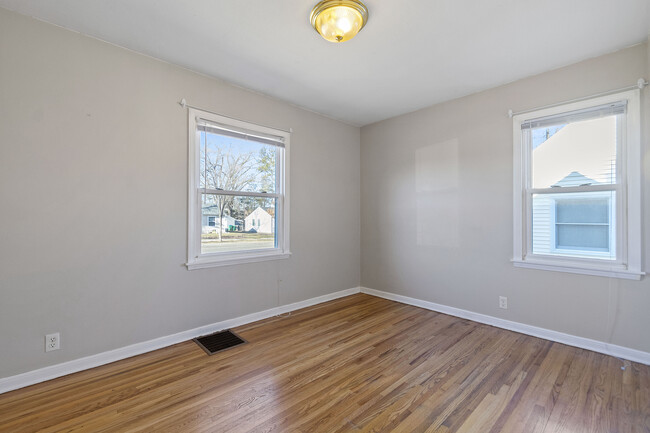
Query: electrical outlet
[(503, 302), (52, 342)]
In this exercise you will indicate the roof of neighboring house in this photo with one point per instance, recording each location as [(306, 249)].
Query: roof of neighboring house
[(260, 209), (575, 179)]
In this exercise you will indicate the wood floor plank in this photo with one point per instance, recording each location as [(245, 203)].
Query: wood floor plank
[(358, 363)]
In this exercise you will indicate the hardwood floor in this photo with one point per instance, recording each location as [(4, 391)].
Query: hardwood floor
[(355, 364)]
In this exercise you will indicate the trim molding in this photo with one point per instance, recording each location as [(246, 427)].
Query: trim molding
[(564, 267), (51, 372), (547, 334), (235, 260)]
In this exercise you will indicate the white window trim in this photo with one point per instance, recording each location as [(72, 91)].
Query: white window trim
[(195, 260), (631, 242)]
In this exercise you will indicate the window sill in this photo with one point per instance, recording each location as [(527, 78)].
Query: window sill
[(578, 268), (235, 259)]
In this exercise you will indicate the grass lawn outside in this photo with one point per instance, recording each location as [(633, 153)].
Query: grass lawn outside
[(236, 241)]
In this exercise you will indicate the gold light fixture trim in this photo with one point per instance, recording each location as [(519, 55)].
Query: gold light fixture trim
[(339, 20)]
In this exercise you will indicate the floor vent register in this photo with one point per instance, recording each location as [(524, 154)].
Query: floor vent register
[(219, 341)]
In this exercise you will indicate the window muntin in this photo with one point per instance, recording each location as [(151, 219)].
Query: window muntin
[(237, 177), (577, 200)]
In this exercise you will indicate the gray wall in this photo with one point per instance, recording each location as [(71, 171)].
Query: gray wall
[(443, 175), (93, 196)]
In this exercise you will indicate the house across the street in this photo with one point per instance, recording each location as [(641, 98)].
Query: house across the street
[(260, 221), (210, 221)]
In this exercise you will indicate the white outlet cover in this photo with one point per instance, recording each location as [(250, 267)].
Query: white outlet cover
[(52, 342)]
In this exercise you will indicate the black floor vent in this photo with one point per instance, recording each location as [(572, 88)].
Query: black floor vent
[(219, 341)]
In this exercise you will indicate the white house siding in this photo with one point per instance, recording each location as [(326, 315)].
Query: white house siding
[(264, 222), (543, 222), (207, 228)]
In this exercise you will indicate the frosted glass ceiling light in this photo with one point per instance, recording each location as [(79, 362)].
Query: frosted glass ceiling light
[(339, 20)]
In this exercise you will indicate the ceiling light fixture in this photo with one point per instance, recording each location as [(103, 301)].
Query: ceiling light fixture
[(339, 20)]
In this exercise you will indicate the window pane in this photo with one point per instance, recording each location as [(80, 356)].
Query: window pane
[(575, 224), (233, 228), (582, 237), (235, 164), (574, 154), (582, 210)]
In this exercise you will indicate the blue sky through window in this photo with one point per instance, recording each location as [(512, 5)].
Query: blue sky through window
[(540, 135)]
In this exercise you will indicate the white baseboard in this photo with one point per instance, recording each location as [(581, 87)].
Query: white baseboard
[(571, 340), (54, 371)]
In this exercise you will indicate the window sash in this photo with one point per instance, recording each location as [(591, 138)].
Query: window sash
[(620, 231), (279, 164), (567, 254), (618, 108), (279, 222), (573, 189), (279, 235), (239, 193), (621, 157)]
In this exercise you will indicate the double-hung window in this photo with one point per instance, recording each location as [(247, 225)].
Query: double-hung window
[(577, 187), (238, 206)]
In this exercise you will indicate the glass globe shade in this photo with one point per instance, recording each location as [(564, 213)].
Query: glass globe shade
[(339, 20)]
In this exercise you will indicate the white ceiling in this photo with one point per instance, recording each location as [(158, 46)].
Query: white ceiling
[(411, 54)]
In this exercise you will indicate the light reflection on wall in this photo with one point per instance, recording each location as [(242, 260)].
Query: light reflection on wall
[(436, 186)]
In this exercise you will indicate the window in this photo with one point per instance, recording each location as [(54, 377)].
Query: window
[(577, 187), (238, 172)]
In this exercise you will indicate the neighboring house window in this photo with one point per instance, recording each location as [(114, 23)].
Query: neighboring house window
[(577, 187), (235, 168), (584, 225)]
